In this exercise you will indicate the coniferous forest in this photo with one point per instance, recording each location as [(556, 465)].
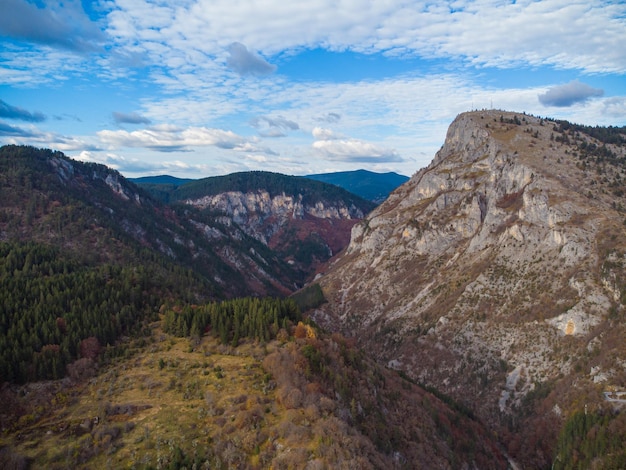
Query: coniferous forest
[(52, 302), (232, 320)]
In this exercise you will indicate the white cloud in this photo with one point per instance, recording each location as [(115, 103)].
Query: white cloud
[(187, 42), (354, 150), (561, 33), (167, 138), (615, 108), (269, 126), (321, 133), (32, 135), (257, 158), (337, 148), (26, 68), (139, 166)]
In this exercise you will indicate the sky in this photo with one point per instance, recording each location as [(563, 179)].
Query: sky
[(197, 88)]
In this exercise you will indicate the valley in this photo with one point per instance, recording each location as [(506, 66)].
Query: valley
[(474, 319)]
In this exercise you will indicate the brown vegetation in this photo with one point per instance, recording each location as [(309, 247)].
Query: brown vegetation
[(310, 401)]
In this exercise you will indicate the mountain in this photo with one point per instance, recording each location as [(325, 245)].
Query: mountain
[(160, 179), (107, 294), (95, 213), (476, 319), (87, 254), (497, 275), (369, 185), (299, 399), (304, 222), (161, 186)]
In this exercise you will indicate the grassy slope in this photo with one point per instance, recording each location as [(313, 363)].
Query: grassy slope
[(286, 404)]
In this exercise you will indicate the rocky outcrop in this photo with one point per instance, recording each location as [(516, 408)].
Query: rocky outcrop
[(483, 275), (302, 234), (262, 216)]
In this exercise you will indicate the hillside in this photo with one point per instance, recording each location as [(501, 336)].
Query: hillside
[(94, 212), (87, 254), (374, 187), (498, 275), (300, 400), (303, 222)]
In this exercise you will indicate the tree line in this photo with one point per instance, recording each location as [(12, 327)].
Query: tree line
[(233, 320)]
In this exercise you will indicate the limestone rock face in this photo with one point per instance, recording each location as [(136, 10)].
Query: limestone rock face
[(505, 254), (301, 234), (262, 215)]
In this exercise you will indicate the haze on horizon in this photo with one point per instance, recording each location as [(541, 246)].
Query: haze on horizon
[(199, 88)]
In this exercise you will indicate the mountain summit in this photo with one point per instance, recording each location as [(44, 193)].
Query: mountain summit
[(496, 274)]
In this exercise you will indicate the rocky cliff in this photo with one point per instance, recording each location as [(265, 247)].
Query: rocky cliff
[(262, 215), (496, 274), (303, 222)]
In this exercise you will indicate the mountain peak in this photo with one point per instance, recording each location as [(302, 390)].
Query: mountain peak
[(492, 269), (369, 185)]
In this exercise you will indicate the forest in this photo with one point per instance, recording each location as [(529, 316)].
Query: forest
[(232, 320), (592, 439), (52, 302)]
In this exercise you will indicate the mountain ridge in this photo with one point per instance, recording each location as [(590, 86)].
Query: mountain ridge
[(179, 229), (366, 184), (305, 222), (446, 280), (369, 185), (495, 278)]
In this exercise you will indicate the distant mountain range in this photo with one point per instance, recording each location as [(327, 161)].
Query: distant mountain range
[(371, 186), (161, 180)]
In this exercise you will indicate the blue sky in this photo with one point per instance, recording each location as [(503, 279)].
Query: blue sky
[(197, 88)]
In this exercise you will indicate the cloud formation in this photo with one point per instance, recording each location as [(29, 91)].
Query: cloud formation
[(244, 62), (57, 24), (273, 126), (134, 165), (130, 118), (569, 94), (31, 135), (8, 130), (330, 118), (169, 138), (563, 34), (337, 148), (13, 112)]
